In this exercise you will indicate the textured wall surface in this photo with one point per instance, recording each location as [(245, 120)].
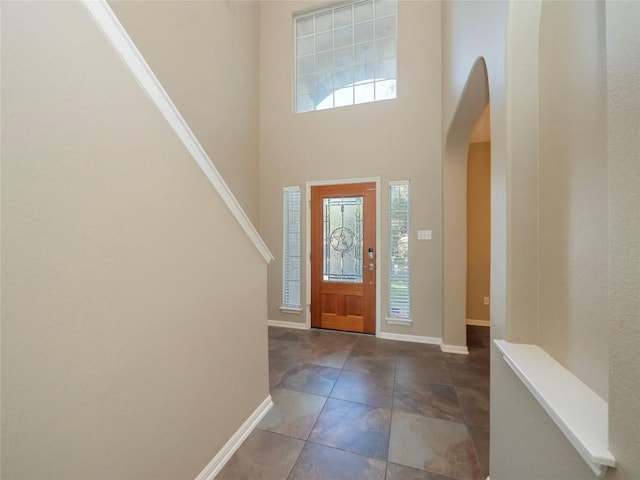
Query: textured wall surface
[(623, 83), (604, 265), (573, 189), (205, 54), (394, 139), (129, 349)]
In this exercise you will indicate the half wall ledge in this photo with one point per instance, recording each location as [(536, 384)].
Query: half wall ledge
[(579, 412)]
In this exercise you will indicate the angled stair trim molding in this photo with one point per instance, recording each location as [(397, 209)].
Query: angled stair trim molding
[(122, 43)]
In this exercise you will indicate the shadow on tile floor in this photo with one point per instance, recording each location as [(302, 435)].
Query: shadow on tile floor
[(353, 407)]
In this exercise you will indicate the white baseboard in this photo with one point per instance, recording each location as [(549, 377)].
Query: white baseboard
[(280, 323), (410, 338), (223, 456), (478, 323), (459, 349)]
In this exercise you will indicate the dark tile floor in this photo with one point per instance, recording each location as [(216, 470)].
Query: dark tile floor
[(354, 407)]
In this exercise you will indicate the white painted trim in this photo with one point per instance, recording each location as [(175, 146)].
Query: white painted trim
[(292, 310), (398, 321), (402, 337), (285, 241), (128, 52), (579, 412), (459, 349), (280, 323), (478, 323), (379, 258), (399, 182), (229, 448)]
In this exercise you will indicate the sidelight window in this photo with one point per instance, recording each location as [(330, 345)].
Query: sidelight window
[(291, 249), (399, 292)]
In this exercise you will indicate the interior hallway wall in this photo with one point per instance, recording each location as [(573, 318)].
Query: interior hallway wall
[(478, 229), (205, 54), (472, 29), (129, 349), (572, 208), (394, 140), (623, 172)]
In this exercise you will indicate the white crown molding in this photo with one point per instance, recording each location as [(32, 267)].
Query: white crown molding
[(122, 43), (223, 456)]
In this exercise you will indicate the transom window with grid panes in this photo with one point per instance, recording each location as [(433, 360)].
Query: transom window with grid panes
[(345, 55)]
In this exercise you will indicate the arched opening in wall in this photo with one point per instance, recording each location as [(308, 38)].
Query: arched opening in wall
[(467, 186), (478, 318), (473, 102)]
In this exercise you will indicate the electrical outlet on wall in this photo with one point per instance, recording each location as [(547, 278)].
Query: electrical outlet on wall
[(486, 300)]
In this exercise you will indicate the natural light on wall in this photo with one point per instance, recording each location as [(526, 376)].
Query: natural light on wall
[(345, 55)]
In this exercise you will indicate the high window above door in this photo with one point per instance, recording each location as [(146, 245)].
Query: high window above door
[(345, 55)]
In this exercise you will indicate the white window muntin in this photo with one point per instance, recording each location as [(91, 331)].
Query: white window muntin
[(345, 55)]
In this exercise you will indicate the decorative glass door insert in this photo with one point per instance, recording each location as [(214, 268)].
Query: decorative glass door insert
[(343, 257), (342, 239)]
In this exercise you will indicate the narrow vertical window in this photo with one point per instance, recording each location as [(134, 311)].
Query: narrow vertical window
[(399, 291), (291, 249)]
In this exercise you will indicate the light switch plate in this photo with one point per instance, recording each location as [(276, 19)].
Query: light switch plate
[(424, 234)]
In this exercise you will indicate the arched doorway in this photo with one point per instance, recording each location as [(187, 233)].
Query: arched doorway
[(473, 101)]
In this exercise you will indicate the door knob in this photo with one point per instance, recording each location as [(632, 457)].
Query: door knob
[(372, 266)]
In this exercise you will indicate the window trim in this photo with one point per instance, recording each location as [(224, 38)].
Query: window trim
[(287, 308), (395, 319)]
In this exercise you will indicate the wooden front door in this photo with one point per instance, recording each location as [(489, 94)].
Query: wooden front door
[(343, 257)]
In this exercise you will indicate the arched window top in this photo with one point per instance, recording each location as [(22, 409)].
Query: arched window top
[(345, 55)]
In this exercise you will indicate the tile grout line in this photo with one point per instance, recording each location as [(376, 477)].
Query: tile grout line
[(326, 399), (343, 369), (393, 394)]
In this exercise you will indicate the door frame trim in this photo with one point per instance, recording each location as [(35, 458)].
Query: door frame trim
[(379, 258)]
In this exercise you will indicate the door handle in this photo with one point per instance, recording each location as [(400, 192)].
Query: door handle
[(372, 266)]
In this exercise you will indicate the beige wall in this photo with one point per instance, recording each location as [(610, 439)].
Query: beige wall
[(521, 432), (623, 171), (478, 229), (482, 129), (129, 349), (573, 189), (205, 54), (394, 140)]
